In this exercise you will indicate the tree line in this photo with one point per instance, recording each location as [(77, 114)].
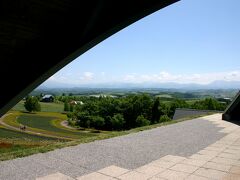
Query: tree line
[(118, 113), (132, 111), (108, 113)]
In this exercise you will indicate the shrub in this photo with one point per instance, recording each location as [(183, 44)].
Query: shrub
[(70, 115), (71, 122), (83, 119), (117, 122), (141, 121), (97, 122), (164, 118)]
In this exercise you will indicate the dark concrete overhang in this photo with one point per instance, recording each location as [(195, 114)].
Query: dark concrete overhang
[(232, 112), (39, 37)]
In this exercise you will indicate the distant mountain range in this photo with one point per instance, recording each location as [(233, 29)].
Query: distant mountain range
[(170, 85)]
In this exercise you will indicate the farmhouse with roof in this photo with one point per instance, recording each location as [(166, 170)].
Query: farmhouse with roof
[(47, 98)]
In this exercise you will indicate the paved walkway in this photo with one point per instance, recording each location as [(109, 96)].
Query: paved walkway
[(203, 148)]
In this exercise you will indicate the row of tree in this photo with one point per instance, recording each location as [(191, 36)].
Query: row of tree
[(121, 113), (209, 104), (131, 111)]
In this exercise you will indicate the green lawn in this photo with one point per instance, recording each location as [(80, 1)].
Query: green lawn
[(45, 107), (46, 123)]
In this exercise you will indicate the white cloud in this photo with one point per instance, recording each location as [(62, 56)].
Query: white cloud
[(87, 76), (164, 76), (161, 77), (130, 77)]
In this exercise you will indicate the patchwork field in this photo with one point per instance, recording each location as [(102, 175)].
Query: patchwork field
[(43, 132), (51, 125), (14, 144), (46, 124)]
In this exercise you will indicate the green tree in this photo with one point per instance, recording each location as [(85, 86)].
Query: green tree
[(32, 104), (155, 111), (70, 115), (136, 105), (164, 118), (97, 122), (209, 104), (83, 119), (71, 108), (141, 121), (117, 121), (66, 106), (71, 120)]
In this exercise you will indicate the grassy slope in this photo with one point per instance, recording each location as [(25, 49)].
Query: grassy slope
[(44, 122), (14, 144), (11, 134), (45, 107)]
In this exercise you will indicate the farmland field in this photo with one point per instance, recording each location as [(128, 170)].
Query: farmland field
[(164, 96), (45, 107), (44, 132), (15, 144), (13, 135), (47, 123)]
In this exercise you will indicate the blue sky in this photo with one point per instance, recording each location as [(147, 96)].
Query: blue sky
[(190, 41)]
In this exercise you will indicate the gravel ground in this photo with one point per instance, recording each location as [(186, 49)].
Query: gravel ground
[(130, 151)]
